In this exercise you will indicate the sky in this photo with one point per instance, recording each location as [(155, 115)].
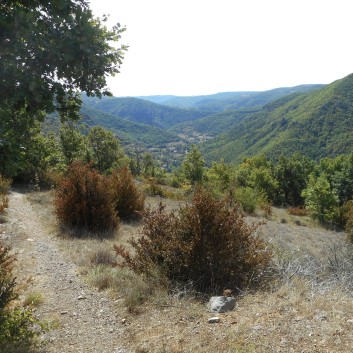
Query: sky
[(199, 47)]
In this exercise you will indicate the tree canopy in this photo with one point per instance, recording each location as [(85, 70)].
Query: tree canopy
[(50, 52)]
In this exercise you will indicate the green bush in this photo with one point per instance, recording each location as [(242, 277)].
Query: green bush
[(7, 282), (153, 189), (206, 243), (247, 198), (127, 199), (18, 328), (83, 200)]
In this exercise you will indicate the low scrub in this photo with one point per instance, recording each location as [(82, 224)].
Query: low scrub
[(128, 200), (19, 330), (349, 220), (250, 198), (207, 244), (83, 200), (297, 211), (4, 185), (4, 189)]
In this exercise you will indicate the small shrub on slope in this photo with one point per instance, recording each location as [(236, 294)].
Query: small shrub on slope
[(127, 198), (206, 243), (7, 282), (18, 328), (4, 188), (83, 200), (349, 220)]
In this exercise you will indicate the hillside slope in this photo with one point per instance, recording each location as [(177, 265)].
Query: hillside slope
[(142, 112), (128, 131), (317, 124)]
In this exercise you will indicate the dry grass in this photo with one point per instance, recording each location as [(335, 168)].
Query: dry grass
[(293, 318), (33, 299), (308, 309)]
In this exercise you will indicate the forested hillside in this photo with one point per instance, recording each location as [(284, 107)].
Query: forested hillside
[(317, 124), (128, 131), (143, 112)]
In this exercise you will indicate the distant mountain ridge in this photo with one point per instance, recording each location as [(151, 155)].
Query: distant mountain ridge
[(229, 100), (317, 124)]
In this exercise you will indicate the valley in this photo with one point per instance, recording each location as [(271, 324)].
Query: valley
[(314, 120)]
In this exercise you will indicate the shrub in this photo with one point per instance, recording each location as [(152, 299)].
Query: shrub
[(153, 189), (4, 188), (4, 203), (247, 198), (206, 243), (7, 283), (18, 331), (297, 211), (127, 198), (4, 185), (83, 200), (349, 220)]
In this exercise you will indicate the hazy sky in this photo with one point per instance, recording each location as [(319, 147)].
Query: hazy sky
[(193, 47)]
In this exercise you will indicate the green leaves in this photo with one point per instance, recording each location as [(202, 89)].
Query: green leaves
[(53, 49), (320, 199), (193, 166)]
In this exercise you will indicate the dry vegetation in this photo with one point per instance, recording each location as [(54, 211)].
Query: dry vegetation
[(309, 308)]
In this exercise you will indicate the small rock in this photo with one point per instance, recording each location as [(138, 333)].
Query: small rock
[(123, 321), (64, 312), (221, 304), (321, 317), (81, 297), (213, 320), (350, 321)]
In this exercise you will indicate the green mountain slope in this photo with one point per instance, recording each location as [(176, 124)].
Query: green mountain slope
[(317, 124), (213, 125), (142, 111), (127, 131)]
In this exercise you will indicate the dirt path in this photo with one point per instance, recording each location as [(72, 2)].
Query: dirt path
[(84, 320)]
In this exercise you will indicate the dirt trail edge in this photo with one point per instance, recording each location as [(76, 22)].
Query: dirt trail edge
[(86, 321)]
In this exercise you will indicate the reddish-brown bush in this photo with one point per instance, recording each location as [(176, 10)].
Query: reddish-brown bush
[(297, 211), (207, 244), (349, 220), (83, 200), (127, 198)]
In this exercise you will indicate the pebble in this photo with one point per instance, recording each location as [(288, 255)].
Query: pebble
[(213, 320)]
